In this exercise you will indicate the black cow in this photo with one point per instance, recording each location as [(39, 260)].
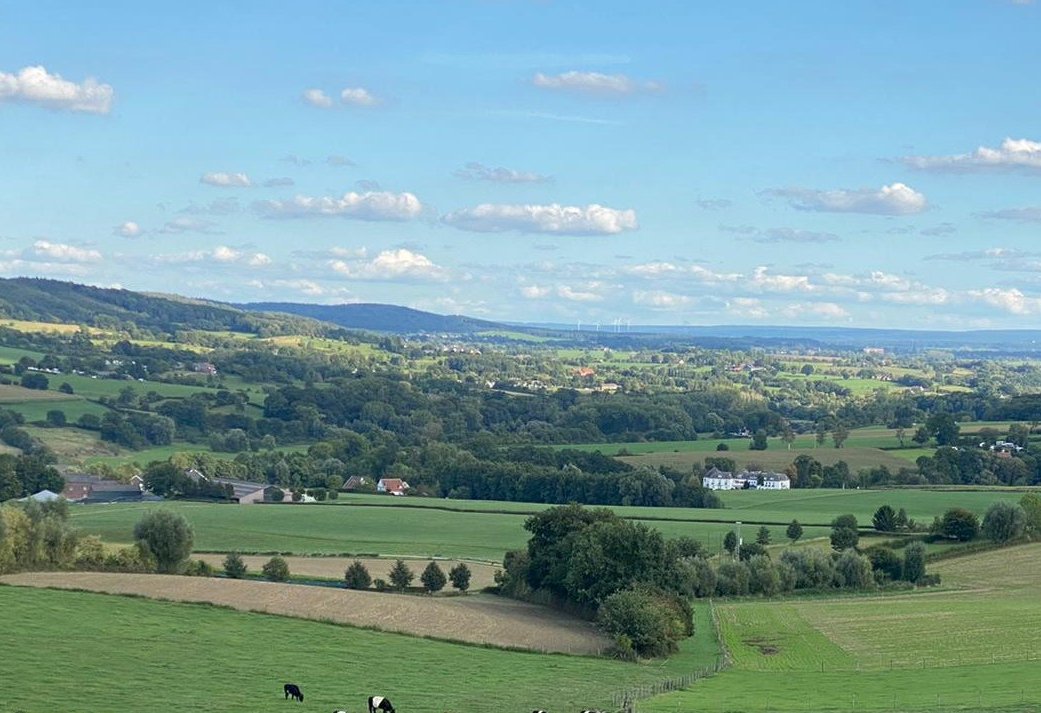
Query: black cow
[(379, 703), (291, 689)]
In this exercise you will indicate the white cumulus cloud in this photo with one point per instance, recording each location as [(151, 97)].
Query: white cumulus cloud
[(220, 255), (226, 180), (894, 199), (129, 229), (357, 96), (536, 292), (35, 85), (555, 219), (1012, 154), (370, 205), (61, 252), (391, 266), (317, 98), (1011, 300)]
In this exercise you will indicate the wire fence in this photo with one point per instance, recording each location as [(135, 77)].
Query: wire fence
[(626, 699)]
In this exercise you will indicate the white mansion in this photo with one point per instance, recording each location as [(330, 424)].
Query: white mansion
[(716, 479)]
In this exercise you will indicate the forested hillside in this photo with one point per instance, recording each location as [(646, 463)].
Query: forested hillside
[(379, 318), (43, 300)]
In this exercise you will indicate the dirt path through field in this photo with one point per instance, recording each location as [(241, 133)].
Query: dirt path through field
[(482, 575), (480, 619)]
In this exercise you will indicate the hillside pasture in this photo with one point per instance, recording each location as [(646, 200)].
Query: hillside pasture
[(774, 458), (968, 645), (476, 619), (367, 531), (187, 657)]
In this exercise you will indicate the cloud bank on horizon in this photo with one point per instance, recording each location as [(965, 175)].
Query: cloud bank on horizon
[(646, 170)]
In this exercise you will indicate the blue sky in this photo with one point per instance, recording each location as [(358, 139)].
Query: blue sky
[(865, 163)]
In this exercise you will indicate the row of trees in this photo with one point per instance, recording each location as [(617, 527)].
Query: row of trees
[(400, 577)]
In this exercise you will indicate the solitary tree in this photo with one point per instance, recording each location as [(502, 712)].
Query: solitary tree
[(167, 536), (276, 569), (787, 435), (839, 434), (460, 576), (900, 433), (763, 535), (433, 578), (234, 567), (844, 533), (884, 519), (1031, 504), (357, 576), (758, 441), (401, 576), (902, 522), (1003, 522), (794, 531), (821, 433), (730, 542), (921, 435)]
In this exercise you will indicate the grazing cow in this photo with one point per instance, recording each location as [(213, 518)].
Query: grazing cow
[(291, 689), (538, 711), (592, 710), (379, 703)]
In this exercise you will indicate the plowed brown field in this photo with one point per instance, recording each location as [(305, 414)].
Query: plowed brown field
[(481, 619)]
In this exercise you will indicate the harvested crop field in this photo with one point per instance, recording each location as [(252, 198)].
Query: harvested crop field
[(475, 619), (482, 575)]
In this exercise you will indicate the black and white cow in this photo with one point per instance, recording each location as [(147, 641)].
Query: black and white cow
[(538, 711), (379, 703), (291, 689), (592, 710)]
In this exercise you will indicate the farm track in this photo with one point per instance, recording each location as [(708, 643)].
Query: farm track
[(473, 619)]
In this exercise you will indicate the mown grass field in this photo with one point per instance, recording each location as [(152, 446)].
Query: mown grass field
[(93, 652), (970, 645), (321, 529)]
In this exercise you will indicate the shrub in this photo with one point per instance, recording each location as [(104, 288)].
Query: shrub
[(276, 569), (812, 568), (732, 579), (914, 562), (130, 559), (794, 531), (751, 549), (357, 576), (56, 418), (722, 447), (730, 542), (460, 576), (844, 533), (763, 577), (380, 585), (275, 495), (639, 617), (234, 567), (199, 568), (959, 524), (1003, 522), (35, 380), (853, 570), (433, 578), (886, 562), (166, 537), (401, 576)]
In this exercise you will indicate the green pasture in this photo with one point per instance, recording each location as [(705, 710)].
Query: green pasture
[(775, 458), (73, 407), (818, 506), (970, 645), (321, 529), (94, 652), (11, 355)]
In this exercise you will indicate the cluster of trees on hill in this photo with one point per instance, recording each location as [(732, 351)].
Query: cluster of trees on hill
[(22, 475), (637, 584)]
